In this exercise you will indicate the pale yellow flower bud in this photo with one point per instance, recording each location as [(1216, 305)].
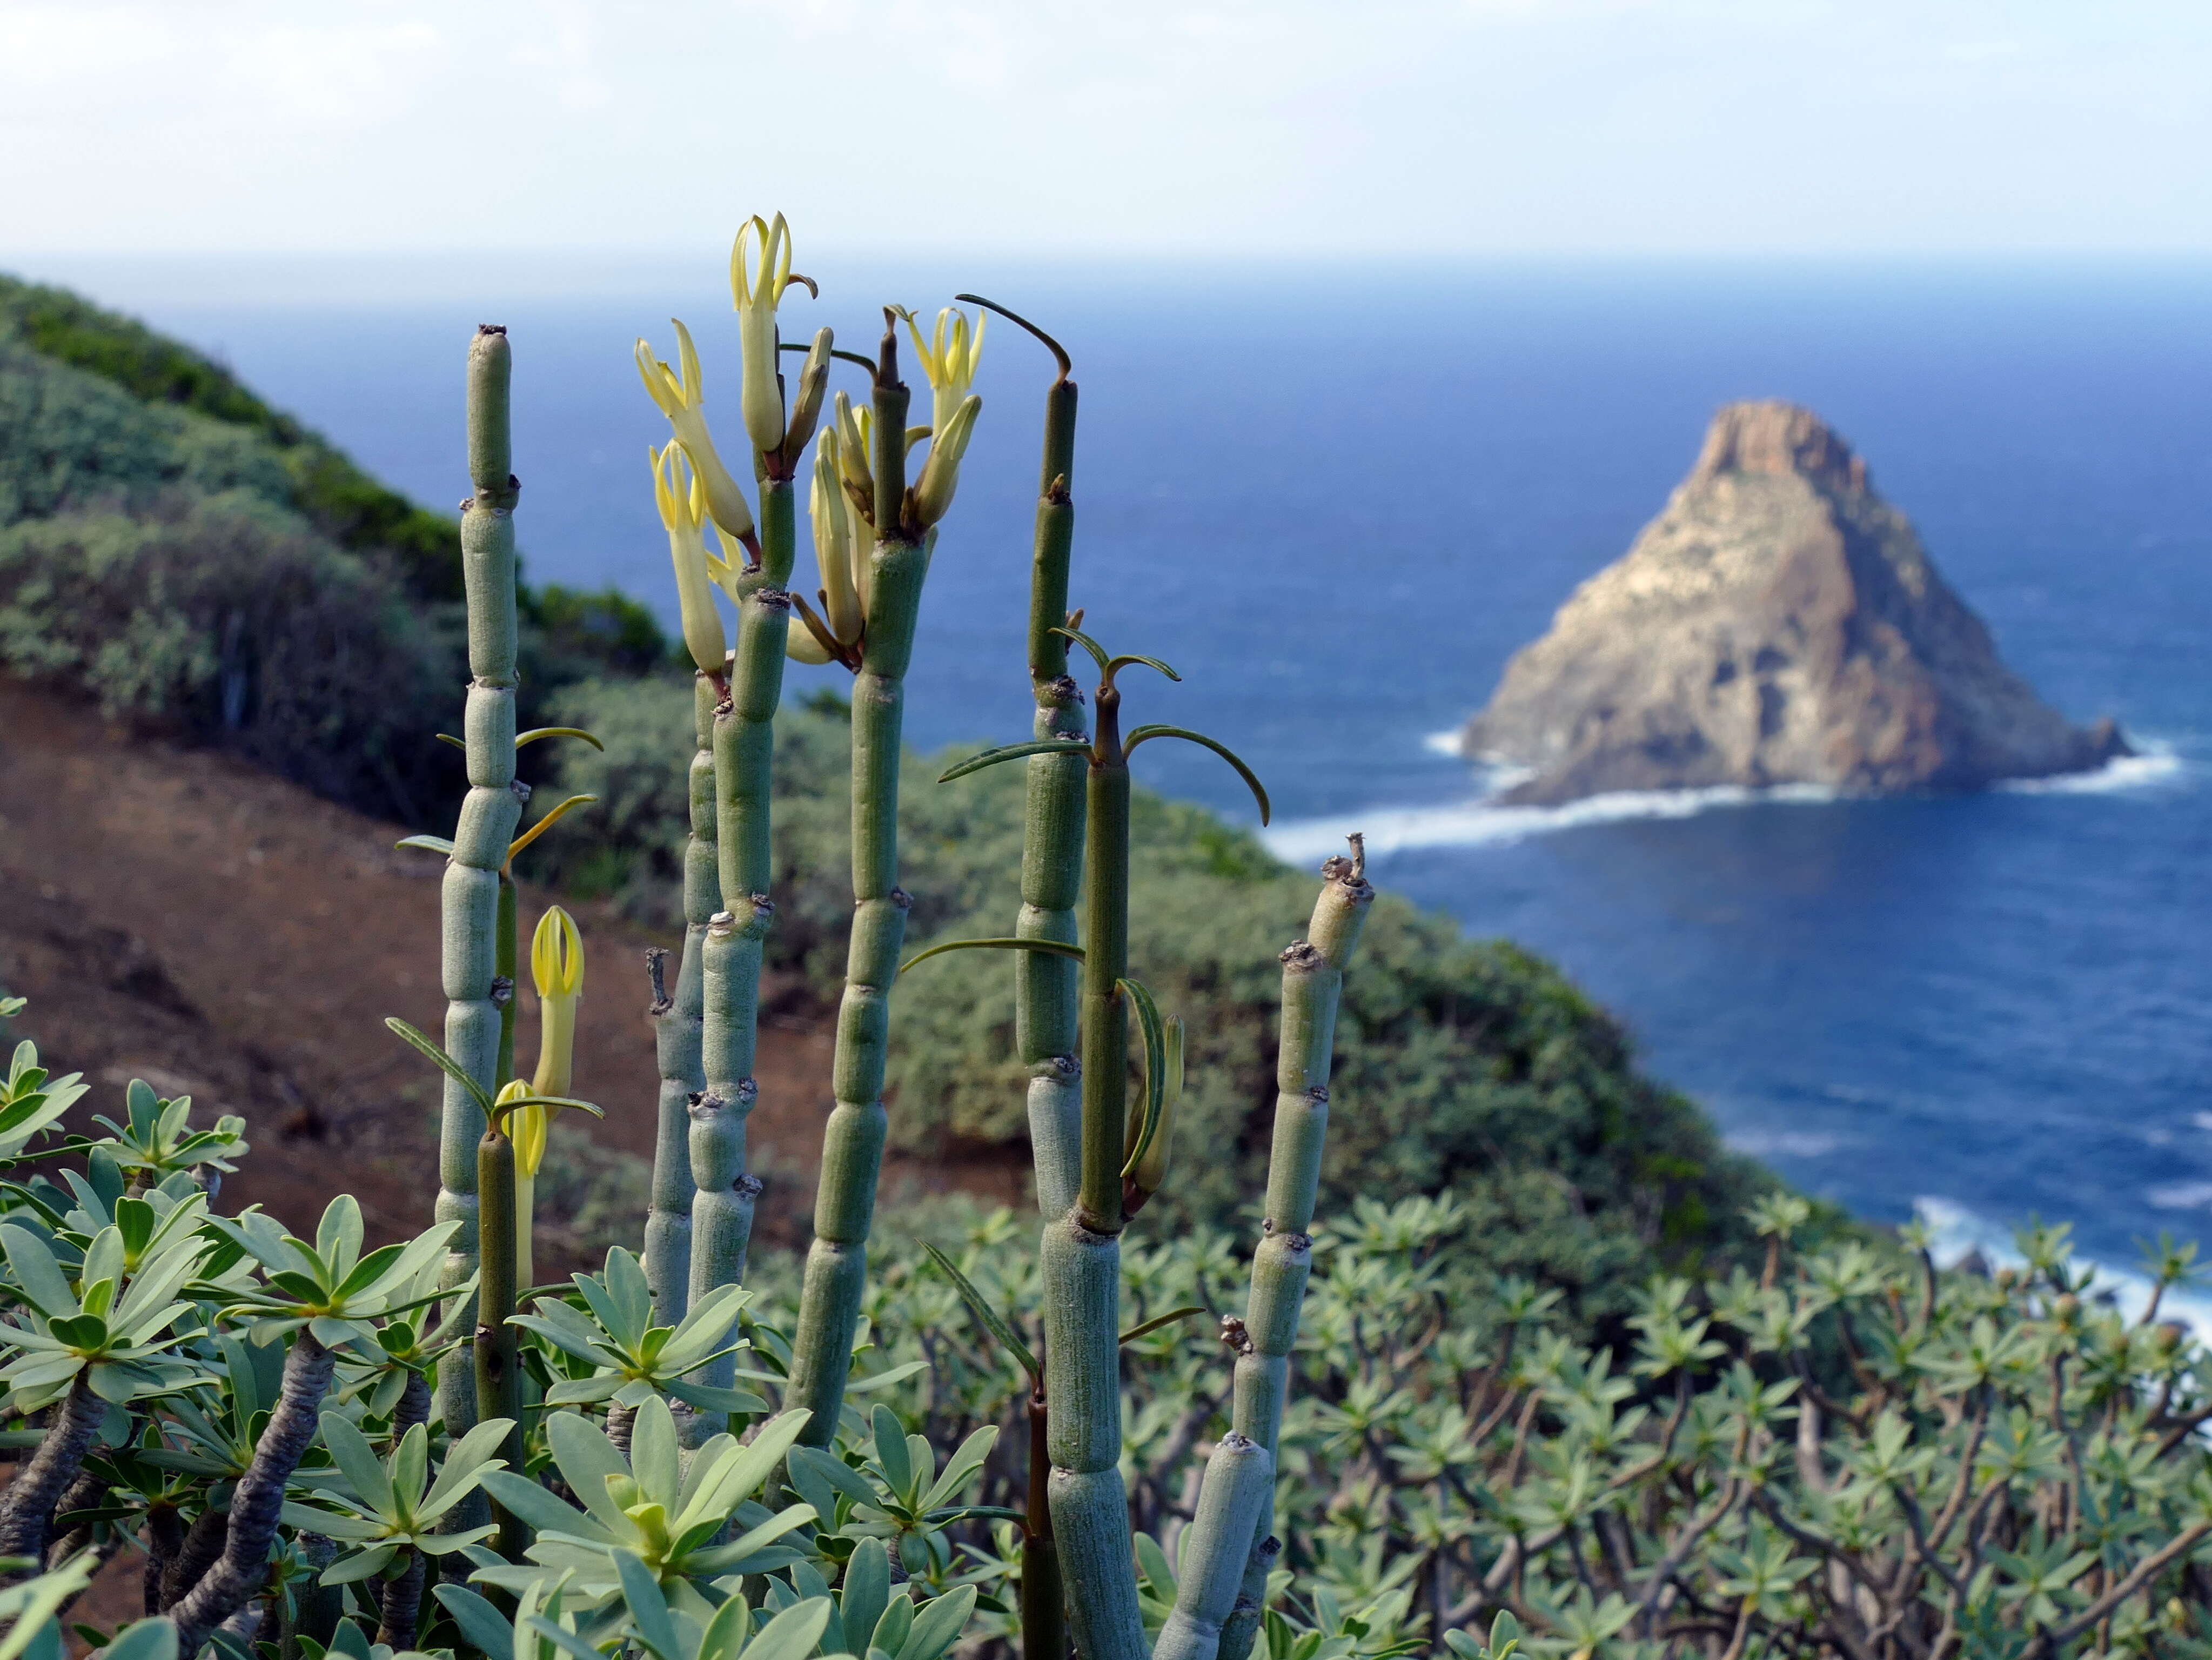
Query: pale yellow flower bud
[(941, 474), (682, 398), (755, 293), (682, 507), (832, 515)]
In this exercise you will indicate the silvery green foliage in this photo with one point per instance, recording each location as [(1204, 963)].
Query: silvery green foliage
[(1758, 1452), (381, 1507), (897, 1495), (630, 1360), (657, 1504), (155, 1139), (31, 1102), (111, 1318)]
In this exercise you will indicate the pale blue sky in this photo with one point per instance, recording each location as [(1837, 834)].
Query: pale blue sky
[(1450, 127)]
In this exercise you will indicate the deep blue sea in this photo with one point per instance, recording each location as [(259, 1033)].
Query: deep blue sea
[(1337, 499)]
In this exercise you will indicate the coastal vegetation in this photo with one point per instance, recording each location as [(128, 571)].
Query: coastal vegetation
[(1372, 1304)]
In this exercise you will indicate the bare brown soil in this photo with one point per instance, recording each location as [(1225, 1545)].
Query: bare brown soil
[(178, 916)]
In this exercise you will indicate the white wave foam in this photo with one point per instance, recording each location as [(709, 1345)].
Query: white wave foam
[(1442, 743), (1957, 1232), (1481, 823), (2157, 765)]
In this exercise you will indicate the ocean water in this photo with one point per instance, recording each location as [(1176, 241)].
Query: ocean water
[(1337, 499)]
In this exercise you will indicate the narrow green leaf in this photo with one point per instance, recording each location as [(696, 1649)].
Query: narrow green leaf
[(1050, 947), (1014, 752), (1251, 779), (1096, 651), (502, 1110), (1149, 662), (984, 1312), (883, 1380), (426, 844), (548, 822), (1156, 1067), (537, 733), (444, 1062), (448, 738), (1153, 1324)]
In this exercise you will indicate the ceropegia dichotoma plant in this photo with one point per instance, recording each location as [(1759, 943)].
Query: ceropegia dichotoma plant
[(709, 1026), (902, 520)]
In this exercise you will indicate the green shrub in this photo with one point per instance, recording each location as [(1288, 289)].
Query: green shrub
[(167, 377), (228, 621), (69, 440), (1467, 1066)]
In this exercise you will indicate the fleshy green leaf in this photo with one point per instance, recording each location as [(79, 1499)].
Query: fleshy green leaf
[(1051, 947), (1014, 752), (981, 1308), (1251, 779)]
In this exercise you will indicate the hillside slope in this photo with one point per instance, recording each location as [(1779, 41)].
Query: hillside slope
[(178, 915)]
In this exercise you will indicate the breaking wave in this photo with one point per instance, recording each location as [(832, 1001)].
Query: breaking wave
[(2157, 765), (1482, 822), (1958, 1233), (1485, 822)]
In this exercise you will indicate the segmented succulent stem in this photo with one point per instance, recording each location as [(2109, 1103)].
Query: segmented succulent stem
[(723, 1192), (470, 899), (504, 960), (1082, 1252), (678, 1037), (852, 1140), (498, 1347), (1233, 1495), (1047, 989), (1313, 981)]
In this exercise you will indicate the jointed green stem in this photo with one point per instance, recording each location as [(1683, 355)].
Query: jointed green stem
[(503, 966), (745, 754), (1047, 989), (678, 1039), (853, 1141), (1082, 1252), (498, 1358), (1313, 979), (470, 898)]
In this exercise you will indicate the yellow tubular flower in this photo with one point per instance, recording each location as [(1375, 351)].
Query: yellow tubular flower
[(682, 398), (833, 542), (682, 504), (525, 1128), (800, 646), (853, 453), (557, 968), (755, 293), (950, 363), (941, 474)]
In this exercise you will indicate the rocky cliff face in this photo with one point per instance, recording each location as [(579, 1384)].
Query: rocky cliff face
[(1777, 622)]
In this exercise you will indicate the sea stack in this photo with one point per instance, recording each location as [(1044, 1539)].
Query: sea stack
[(1778, 622)]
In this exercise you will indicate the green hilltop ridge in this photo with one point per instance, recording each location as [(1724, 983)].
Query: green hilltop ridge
[(194, 558), (204, 562)]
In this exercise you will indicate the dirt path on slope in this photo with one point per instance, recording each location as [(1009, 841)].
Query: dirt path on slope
[(178, 915)]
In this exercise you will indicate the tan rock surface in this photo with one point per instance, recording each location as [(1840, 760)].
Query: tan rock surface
[(1777, 622)]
